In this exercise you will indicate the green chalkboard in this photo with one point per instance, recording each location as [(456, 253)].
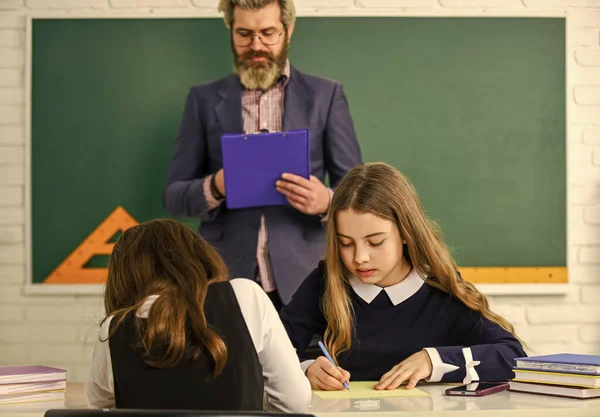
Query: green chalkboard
[(471, 109)]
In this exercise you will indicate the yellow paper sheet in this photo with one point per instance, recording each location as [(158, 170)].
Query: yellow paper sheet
[(366, 389)]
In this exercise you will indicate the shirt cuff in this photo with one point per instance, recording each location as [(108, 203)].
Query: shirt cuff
[(438, 367), (211, 201), (470, 372), (305, 364), (325, 216)]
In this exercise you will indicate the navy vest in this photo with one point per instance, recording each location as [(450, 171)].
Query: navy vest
[(187, 385)]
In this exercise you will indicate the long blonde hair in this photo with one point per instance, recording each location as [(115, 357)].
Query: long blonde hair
[(380, 189), (166, 258)]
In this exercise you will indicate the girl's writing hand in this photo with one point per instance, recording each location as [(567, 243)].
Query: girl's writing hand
[(323, 375)]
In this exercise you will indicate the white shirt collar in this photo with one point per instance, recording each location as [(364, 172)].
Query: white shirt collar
[(145, 308), (397, 293)]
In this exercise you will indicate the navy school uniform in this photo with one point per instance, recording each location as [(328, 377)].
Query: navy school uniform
[(395, 322)]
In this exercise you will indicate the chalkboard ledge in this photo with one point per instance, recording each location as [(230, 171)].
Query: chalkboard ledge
[(63, 289), (486, 289), (523, 289)]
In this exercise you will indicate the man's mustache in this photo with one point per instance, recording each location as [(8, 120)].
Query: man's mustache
[(258, 54)]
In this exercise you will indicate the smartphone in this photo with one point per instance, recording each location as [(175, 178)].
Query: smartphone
[(478, 389)]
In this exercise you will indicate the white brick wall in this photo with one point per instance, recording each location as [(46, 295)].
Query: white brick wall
[(461, 4), (8, 21), (11, 114), (12, 175), (588, 37), (11, 196), (149, 3), (588, 57), (11, 57), (9, 76), (12, 135), (589, 255), (12, 95), (11, 4), (65, 4), (12, 154), (588, 96), (397, 3), (10, 38), (58, 330)]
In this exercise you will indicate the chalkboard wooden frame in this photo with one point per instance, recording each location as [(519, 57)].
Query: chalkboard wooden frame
[(491, 275)]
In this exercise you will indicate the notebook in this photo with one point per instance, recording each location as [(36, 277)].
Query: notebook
[(33, 397), (366, 389), (36, 373), (557, 378), (554, 390), (23, 387), (252, 163), (563, 362)]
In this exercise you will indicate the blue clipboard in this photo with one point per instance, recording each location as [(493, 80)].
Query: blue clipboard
[(252, 163)]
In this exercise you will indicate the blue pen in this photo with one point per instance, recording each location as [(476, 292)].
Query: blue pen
[(324, 349)]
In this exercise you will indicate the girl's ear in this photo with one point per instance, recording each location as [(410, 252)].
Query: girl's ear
[(403, 234)]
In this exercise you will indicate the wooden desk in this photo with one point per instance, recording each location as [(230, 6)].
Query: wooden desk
[(503, 404)]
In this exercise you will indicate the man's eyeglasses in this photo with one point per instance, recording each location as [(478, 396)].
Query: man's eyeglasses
[(271, 36)]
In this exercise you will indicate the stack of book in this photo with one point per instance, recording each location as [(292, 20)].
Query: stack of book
[(29, 384), (561, 375)]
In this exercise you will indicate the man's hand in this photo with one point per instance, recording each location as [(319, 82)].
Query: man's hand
[(308, 196), (220, 181)]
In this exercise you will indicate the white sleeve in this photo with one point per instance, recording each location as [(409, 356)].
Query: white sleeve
[(99, 387), (438, 367), (306, 364), (286, 386)]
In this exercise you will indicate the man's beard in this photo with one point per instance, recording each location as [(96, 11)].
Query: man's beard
[(260, 75)]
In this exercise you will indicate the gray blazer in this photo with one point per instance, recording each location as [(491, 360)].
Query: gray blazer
[(296, 240)]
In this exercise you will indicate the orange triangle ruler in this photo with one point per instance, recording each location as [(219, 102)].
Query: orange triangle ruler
[(72, 271)]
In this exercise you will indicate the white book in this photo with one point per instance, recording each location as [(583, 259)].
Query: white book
[(38, 407), (555, 390), (580, 380), (33, 397), (24, 387)]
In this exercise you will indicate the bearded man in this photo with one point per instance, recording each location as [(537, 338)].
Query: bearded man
[(276, 246)]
